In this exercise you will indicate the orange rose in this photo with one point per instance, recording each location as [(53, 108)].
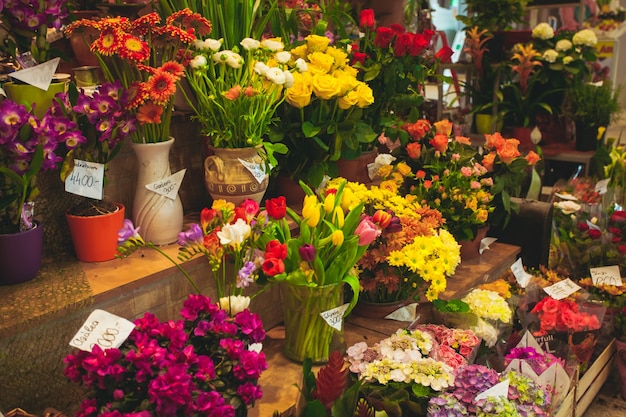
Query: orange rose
[(463, 140), (508, 152), (532, 158), (439, 142), (418, 129), (488, 160), (494, 141), (443, 127), (414, 150)]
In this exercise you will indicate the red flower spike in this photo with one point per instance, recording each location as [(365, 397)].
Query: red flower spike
[(332, 380)]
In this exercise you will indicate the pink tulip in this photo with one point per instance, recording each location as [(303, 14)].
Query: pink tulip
[(367, 231)]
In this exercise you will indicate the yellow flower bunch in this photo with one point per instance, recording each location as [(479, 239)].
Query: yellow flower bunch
[(320, 120), (432, 258)]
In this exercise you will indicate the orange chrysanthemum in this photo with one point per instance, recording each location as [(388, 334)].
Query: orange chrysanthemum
[(134, 49), (149, 112), (161, 87)]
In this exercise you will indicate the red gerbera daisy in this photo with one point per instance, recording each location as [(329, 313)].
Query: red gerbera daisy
[(145, 23), (137, 94), (161, 87), (200, 24), (134, 49), (185, 36), (79, 25), (174, 68), (109, 42), (149, 112)]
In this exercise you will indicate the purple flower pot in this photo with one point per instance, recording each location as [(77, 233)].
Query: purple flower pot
[(20, 255)]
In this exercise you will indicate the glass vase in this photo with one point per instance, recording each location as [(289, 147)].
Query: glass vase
[(307, 333)]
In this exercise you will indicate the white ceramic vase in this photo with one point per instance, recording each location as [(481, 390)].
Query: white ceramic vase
[(160, 218)]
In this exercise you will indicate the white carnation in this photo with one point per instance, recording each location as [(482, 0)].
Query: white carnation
[(288, 79), (550, 55), (198, 61), (302, 65), (272, 45), (213, 44), (563, 45), (585, 37), (250, 44), (275, 75), (232, 59), (283, 56), (260, 67)]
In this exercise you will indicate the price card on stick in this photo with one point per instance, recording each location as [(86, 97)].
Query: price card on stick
[(520, 274), (499, 390), (606, 275), (103, 329), (334, 317), (86, 179), (168, 187), (39, 76), (562, 289)]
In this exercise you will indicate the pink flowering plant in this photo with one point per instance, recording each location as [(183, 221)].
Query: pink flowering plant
[(207, 364), (539, 362)]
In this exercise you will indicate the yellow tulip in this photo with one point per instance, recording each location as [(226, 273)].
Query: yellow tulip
[(311, 210), (337, 237), (329, 203), (338, 217)]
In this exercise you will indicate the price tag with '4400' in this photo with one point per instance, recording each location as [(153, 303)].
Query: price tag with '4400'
[(86, 179)]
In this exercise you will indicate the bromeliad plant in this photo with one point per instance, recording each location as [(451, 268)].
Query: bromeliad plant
[(149, 58), (208, 363)]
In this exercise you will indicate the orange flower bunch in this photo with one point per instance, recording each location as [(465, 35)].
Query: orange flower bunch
[(149, 58)]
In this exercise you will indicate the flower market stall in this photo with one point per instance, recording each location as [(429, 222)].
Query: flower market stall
[(385, 295)]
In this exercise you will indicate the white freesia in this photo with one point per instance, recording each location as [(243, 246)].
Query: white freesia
[(275, 75), (585, 37), (543, 31), (198, 61), (283, 57), (250, 44), (234, 304), (563, 45), (568, 207), (234, 234), (550, 55), (301, 65), (272, 45)]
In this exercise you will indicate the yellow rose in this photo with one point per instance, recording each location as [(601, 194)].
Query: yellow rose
[(351, 71), (403, 168), (348, 100), (339, 56), (366, 96), (317, 43), (346, 83), (385, 170), (325, 86), (443, 127), (389, 186), (482, 215), (319, 60), (299, 51), (299, 95), (471, 203)]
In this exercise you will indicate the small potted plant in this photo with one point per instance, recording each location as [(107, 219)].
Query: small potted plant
[(592, 107)]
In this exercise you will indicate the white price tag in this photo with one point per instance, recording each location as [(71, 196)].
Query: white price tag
[(566, 197), (103, 329), (257, 170), (593, 226), (520, 274), (86, 179), (562, 289), (602, 186), (334, 317), (39, 76), (499, 390), (606, 275), (168, 187)]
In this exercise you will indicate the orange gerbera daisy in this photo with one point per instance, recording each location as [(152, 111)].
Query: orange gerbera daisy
[(179, 34), (149, 112), (119, 22), (134, 49), (80, 24), (109, 41), (161, 87), (174, 68), (200, 24), (137, 94), (145, 23)]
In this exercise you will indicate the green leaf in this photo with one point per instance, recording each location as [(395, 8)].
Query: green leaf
[(310, 130)]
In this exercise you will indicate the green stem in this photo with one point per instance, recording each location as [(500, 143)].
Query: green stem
[(180, 268)]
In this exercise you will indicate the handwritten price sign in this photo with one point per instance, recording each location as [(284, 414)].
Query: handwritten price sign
[(334, 317), (103, 329), (168, 187), (562, 289), (86, 179), (606, 275)]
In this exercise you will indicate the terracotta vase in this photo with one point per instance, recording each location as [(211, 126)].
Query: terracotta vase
[(20, 255), (371, 310), (236, 174), (523, 135), (159, 217), (95, 237), (356, 170), (470, 249)]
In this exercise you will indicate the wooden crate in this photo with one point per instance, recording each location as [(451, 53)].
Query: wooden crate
[(586, 387)]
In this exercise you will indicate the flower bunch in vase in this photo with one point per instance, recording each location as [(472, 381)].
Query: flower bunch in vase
[(149, 58), (401, 369), (29, 145), (395, 63), (26, 23), (315, 265), (386, 271), (524, 396), (321, 118), (446, 174), (208, 362), (236, 92)]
